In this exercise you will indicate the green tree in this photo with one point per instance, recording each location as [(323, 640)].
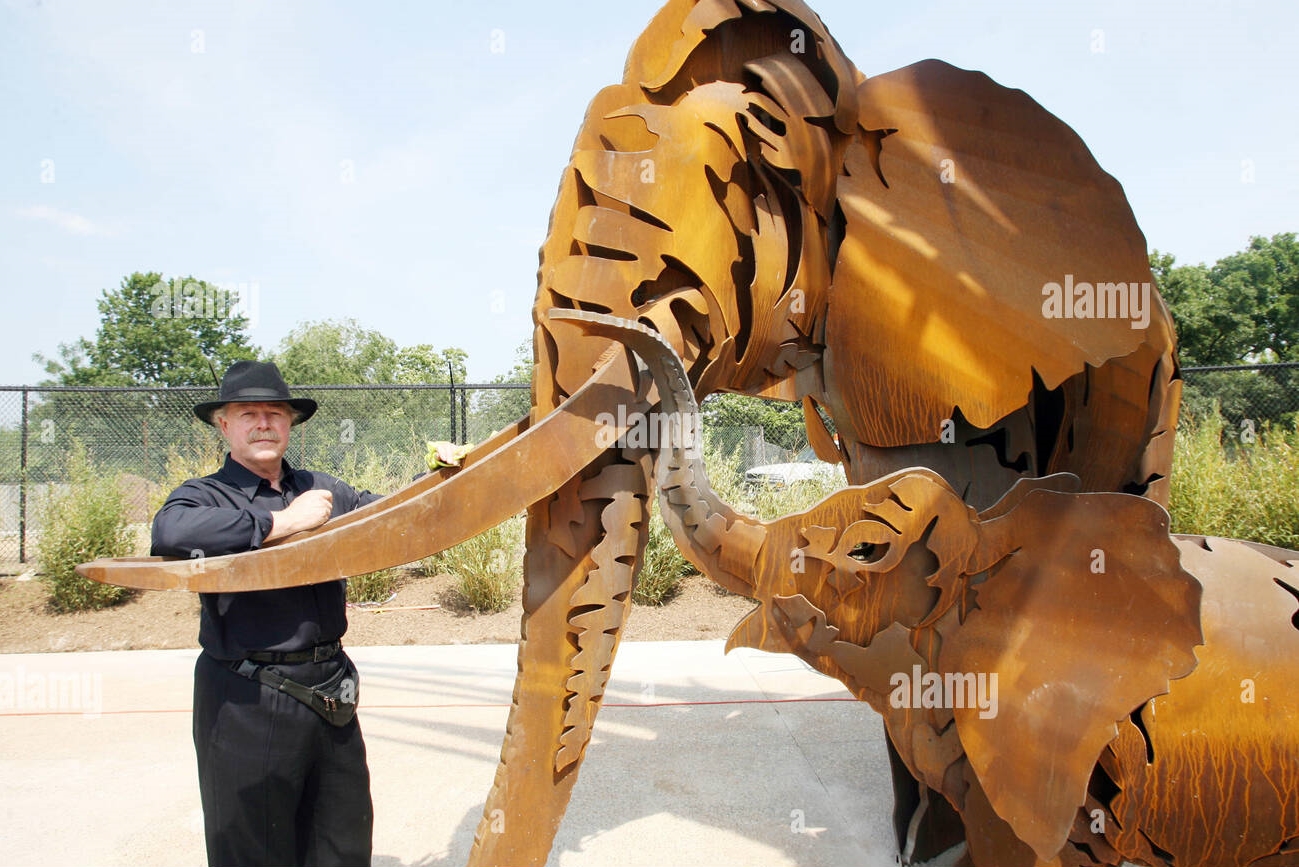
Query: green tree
[(156, 332), (152, 332), (343, 352), (495, 408), (1211, 329), (1268, 270), (423, 364), (781, 421), (336, 353), (1244, 308)]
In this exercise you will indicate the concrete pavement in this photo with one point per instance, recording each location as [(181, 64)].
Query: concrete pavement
[(699, 758)]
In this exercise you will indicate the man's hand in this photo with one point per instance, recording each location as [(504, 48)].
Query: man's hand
[(308, 510), (445, 454)]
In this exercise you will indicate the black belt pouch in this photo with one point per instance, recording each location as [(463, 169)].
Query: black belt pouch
[(335, 699)]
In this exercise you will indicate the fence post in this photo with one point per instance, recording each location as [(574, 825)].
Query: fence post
[(451, 378), (464, 416), (22, 485)]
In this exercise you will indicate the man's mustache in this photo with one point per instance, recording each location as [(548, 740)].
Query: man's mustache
[(268, 436)]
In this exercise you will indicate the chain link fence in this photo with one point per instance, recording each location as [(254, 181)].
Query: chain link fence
[(1250, 396), (148, 437), (144, 435), (150, 440)]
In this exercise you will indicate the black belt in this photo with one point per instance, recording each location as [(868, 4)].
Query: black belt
[(319, 653)]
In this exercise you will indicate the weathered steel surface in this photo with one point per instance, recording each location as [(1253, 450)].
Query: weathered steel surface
[(939, 266), (1083, 688)]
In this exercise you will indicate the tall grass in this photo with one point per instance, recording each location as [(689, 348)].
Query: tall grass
[(380, 473), (764, 502), (662, 567), (193, 461), (367, 469), (87, 521), (487, 568), (1222, 486)]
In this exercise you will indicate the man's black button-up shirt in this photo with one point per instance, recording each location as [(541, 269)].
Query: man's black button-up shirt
[(229, 512)]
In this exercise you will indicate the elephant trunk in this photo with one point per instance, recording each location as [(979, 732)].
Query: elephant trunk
[(719, 541)]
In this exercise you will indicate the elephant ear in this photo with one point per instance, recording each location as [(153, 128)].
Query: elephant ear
[(963, 201), (1085, 616)]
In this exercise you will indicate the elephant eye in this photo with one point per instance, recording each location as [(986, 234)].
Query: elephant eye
[(868, 552)]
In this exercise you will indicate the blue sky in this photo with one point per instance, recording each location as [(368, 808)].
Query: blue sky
[(396, 163)]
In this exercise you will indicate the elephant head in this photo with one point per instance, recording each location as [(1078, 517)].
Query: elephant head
[(876, 248)]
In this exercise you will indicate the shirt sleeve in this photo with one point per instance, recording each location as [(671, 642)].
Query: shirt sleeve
[(346, 498), (193, 524)]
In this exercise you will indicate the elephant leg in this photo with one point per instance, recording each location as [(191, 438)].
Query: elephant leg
[(925, 823), (989, 839), (585, 545)]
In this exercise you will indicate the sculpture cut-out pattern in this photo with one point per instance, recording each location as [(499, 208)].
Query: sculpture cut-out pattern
[(1110, 652), (937, 266)]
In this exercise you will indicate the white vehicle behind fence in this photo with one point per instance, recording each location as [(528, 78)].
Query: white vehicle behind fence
[(805, 467)]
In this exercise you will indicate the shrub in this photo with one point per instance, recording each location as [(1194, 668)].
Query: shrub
[(487, 568), (375, 586), (663, 566), (87, 521), (1260, 395), (1241, 490), (195, 460)]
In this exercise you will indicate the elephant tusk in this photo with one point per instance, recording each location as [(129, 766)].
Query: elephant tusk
[(500, 478), (722, 543)]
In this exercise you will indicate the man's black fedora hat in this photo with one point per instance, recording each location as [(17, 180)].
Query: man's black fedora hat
[(255, 382)]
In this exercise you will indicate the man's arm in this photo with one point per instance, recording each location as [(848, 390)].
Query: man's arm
[(308, 510), (193, 523), (346, 497)]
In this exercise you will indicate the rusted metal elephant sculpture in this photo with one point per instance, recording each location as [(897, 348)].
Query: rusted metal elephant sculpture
[(930, 260), (1038, 663)]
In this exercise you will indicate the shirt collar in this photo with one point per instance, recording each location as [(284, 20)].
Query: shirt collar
[(236, 474)]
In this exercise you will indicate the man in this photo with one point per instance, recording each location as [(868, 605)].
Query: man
[(280, 784)]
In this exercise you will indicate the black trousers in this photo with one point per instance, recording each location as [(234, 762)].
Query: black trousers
[(279, 785)]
